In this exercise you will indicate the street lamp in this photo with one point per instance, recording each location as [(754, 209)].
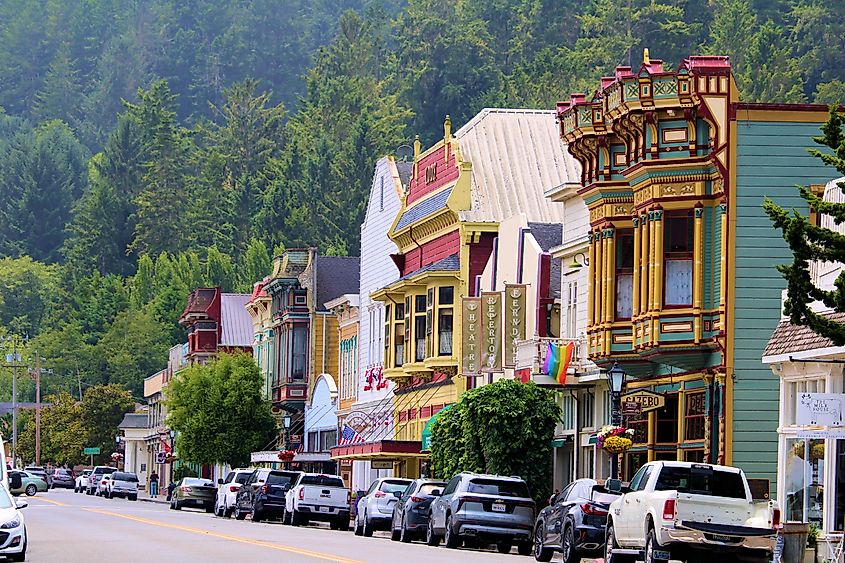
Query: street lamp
[(615, 381)]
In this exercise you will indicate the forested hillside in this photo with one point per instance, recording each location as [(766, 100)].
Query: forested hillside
[(150, 146)]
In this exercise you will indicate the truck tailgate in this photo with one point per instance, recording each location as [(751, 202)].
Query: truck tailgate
[(726, 512), (324, 496)]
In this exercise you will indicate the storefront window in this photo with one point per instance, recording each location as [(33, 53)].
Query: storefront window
[(694, 456), (666, 431), (694, 417), (839, 488), (801, 471), (640, 428), (387, 335)]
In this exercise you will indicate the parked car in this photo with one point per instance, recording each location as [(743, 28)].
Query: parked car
[(227, 491), (81, 482), (410, 513), (681, 510), (102, 485), (122, 484), (375, 509), (193, 491), (323, 498), (263, 494), (41, 472), (29, 483), (574, 523), (14, 543), (486, 509), (96, 476), (62, 478)]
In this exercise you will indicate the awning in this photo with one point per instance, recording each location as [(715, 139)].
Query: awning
[(384, 449), (559, 443), (593, 439), (312, 456), (426, 431)]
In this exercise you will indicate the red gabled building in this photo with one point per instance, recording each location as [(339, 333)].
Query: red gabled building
[(216, 322)]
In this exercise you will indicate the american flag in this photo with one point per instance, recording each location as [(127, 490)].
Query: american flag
[(349, 436)]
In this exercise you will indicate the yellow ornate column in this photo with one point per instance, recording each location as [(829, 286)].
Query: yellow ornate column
[(644, 275), (681, 413), (652, 433), (610, 297), (723, 264), (698, 270), (657, 252), (635, 307), (590, 277)]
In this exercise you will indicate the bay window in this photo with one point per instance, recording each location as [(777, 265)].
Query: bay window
[(624, 273), (677, 256), (445, 304), (299, 352), (399, 335), (387, 317), (419, 328)]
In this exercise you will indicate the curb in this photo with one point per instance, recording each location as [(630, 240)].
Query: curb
[(154, 500)]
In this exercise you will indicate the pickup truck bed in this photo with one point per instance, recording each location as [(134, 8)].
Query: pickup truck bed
[(321, 498)]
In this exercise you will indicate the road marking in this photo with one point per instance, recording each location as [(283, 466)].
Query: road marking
[(259, 543), (57, 503)]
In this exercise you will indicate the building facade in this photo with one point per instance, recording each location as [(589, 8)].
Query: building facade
[(674, 172), (259, 307), (216, 322)]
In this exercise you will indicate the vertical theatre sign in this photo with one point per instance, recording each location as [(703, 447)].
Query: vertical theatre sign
[(514, 319), (491, 357), (471, 320)]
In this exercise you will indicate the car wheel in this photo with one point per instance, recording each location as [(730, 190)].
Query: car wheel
[(568, 546), (451, 540), (359, 529), (257, 516), (209, 508), (431, 537), (650, 546), (525, 548), (286, 518), (31, 490), (609, 545), (541, 552), (394, 533), (343, 524), (176, 505), (297, 519), (504, 547), (404, 533), (367, 528), (239, 514), (133, 497)]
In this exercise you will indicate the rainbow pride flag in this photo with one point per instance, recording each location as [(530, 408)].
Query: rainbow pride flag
[(557, 361)]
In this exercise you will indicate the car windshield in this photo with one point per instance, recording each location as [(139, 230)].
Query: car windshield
[(428, 487), (701, 480), (106, 470), (62, 472), (196, 482), (5, 499), (324, 480), (603, 497), (393, 486), (279, 479), (498, 488), (130, 477), (242, 478)]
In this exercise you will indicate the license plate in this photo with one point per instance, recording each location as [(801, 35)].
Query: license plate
[(659, 554), (722, 538), (498, 508), (324, 509)]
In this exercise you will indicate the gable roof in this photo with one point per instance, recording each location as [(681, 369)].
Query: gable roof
[(516, 155), (790, 339), (235, 322), (133, 420)]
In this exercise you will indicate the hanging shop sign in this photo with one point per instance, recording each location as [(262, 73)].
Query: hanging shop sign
[(820, 409), (647, 400), (471, 336), (514, 319), (491, 355)]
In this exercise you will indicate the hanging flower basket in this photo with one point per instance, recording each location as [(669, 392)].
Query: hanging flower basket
[(286, 455), (615, 439), (117, 456)]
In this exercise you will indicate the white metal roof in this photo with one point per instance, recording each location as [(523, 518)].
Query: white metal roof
[(516, 155)]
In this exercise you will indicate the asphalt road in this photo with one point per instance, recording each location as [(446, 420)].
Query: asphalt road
[(63, 526)]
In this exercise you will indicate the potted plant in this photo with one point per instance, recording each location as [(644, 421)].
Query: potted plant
[(811, 551), (615, 439), (286, 455)]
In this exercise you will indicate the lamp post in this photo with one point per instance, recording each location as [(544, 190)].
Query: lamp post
[(615, 381), (172, 452)]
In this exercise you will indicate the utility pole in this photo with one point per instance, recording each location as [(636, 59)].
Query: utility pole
[(15, 361), (37, 409)]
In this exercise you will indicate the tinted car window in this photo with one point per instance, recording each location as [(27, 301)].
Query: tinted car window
[(195, 482), (637, 477), (453, 484), (428, 487), (393, 486), (322, 480), (278, 479), (498, 488), (129, 477), (242, 478), (701, 480), (644, 480)]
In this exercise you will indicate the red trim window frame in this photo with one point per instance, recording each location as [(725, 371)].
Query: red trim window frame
[(624, 266), (678, 245)]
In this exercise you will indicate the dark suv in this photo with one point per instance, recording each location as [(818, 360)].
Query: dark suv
[(263, 494), (410, 513), (483, 509), (63, 478)]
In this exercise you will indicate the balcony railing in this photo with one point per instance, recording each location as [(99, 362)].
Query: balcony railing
[(531, 354)]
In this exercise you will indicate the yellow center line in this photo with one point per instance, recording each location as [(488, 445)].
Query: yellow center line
[(259, 543), (42, 499)]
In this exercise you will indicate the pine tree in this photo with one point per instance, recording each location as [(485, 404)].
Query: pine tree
[(219, 271), (60, 97), (254, 265), (812, 243)]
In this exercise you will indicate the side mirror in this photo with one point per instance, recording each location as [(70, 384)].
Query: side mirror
[(613, 485), (21, 504), (220, 481), (397, 494), (436, 493)]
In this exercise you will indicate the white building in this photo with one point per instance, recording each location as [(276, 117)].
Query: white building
[(320, 432), (371, 415), (811, 490)]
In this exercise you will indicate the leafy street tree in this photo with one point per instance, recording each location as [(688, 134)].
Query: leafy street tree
[(63, 432), (103, 407), (519, 423), (219, 412), (810, 243)]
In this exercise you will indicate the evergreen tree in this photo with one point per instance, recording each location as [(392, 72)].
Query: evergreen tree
[(61, 94), (219, 271), (254, 266), (142, 284), (812, 243)]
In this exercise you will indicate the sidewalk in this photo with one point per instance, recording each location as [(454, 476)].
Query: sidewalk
[(158, 500)]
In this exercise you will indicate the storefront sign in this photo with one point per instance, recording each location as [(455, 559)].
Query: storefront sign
[(491, 356), (381, 464), (820, 409), (471, 331), (821, 433), (647, 400), (514, 319), (631, 408)]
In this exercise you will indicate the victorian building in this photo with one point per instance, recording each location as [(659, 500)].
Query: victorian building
[(682, 288), (216, 322), (259, 308)]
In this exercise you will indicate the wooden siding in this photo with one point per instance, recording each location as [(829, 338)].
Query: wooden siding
[(444, 159), (772, 159), (479, 254), (432, 251)]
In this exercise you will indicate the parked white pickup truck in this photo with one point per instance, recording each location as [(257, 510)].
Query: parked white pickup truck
[(318, 497), (690, 512)]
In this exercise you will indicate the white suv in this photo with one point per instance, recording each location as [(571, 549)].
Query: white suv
[(375, 509), (122, 484), (227, 491)]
